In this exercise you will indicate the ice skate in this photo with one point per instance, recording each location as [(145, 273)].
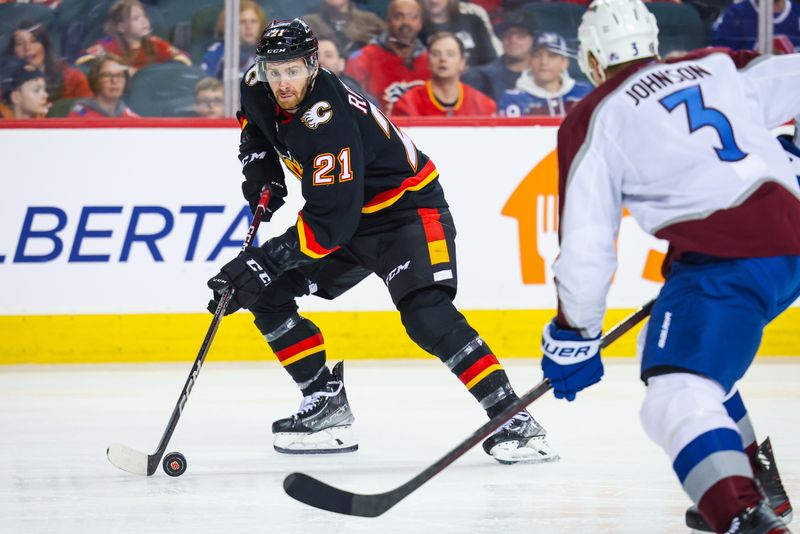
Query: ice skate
[(768, 480), (323, 423), (520, 440), (759, 519)]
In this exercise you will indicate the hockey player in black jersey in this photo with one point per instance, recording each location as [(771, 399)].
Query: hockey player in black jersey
[(373, 204)]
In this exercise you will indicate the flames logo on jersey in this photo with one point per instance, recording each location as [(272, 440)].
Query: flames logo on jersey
[(293, 166), (317, 115)]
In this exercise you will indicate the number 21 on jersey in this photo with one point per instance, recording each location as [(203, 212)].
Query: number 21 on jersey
[(699, 116), (325, 163)]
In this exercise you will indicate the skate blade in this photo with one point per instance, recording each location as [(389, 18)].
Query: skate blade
[(536, 451), (331, 440)]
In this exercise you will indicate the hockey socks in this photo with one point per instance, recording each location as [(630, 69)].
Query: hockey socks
[(299, 346), (736, 410), (478, 369), (684, 414), (434, 324)]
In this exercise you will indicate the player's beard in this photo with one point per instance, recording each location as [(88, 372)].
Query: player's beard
[(290, 100)]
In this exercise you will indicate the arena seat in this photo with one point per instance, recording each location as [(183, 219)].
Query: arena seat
[(679, 27), (81, 23), (164, 90), (202, 32), (61, 108)]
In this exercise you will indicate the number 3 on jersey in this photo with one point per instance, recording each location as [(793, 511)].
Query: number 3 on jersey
[(699, 115), (325, 163)]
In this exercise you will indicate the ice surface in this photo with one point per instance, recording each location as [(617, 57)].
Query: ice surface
[(56, 422)]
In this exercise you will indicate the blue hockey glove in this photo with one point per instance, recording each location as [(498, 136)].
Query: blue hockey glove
[(249, 274), (571, 362)]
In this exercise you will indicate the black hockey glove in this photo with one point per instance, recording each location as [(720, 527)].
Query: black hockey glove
[(249, 274), (277, 192)]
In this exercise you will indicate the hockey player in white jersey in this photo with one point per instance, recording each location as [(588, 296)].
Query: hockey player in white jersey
[(685, 146)]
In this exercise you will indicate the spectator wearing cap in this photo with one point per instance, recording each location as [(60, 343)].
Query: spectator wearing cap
[(26, 93), (445, 16), (108, 78), (30, 43), (396, 61), (516, 34), (737, 26), (351, 27), (444, 94), (546, 88)]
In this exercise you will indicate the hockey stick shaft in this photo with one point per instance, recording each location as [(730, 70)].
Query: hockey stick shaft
[(154, 459), (209, 337), (321, 495)]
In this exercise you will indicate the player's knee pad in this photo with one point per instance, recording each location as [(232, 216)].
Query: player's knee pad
[(429, 318), (678, 407)]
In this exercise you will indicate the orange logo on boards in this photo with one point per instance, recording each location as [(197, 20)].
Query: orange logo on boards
[(538, 227)]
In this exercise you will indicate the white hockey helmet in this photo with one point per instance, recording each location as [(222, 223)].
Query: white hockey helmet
[(614, 32)]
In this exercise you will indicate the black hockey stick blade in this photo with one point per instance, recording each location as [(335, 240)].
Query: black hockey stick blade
[(318, 494)]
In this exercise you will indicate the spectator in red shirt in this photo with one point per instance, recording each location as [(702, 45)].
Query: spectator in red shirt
[(128, 36), (30, 43), (108, 77), (396, 60), (444, 94)]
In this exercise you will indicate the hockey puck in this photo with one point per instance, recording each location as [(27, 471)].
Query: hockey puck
[(174, 464)]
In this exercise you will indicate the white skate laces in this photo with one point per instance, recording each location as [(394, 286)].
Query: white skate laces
[(310, 402)]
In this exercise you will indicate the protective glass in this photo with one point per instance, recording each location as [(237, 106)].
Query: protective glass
[(278, 71)]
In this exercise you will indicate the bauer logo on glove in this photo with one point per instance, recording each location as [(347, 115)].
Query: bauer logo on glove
[(571, 362)]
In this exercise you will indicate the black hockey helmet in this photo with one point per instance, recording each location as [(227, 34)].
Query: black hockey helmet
[(284, 40)]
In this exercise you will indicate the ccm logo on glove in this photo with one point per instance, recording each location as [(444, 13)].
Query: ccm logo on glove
[(262, 274)]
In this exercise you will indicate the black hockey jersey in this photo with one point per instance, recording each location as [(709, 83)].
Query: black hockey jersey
[(352, 161)]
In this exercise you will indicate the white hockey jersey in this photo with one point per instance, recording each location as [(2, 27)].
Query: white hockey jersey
[(685, 146)]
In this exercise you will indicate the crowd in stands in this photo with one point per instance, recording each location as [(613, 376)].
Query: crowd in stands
[(131, 58)]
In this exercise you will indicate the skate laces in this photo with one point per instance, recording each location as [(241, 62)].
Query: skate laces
[(311, 401), (521, 417)]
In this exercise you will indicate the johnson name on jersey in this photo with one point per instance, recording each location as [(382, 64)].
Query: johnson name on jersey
[(353, 162)]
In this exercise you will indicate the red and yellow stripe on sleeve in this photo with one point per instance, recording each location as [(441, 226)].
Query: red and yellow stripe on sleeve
[(385, 199), (294, 353), (308, 242), (480, 370), (434, 235)]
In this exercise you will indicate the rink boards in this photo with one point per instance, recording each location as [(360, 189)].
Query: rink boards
[(109, 235)]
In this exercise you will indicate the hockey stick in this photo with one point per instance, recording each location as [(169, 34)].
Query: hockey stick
[(318, 494), (139, 463)]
